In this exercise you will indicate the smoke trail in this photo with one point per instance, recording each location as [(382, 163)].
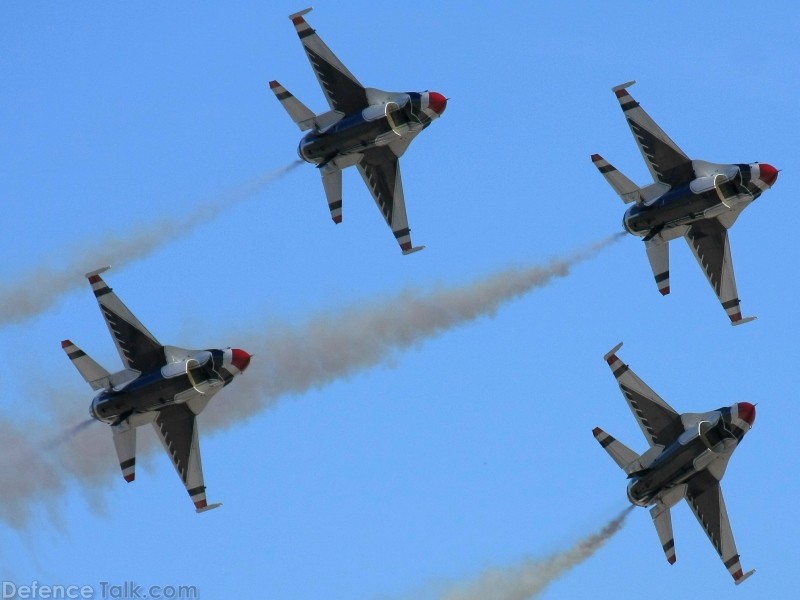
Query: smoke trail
[(341, 343), (67, 435), (288, 360), (530, 578), (34, 292)]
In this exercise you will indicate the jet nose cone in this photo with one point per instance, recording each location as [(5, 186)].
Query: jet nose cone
[(437, 102), (240, 359), (747, 412), (768, 173)]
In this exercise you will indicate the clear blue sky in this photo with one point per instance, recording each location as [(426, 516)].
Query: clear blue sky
[(473, 449)]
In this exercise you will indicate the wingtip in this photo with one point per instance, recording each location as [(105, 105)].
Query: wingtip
[(206, 507), (412, 250), (596, 158), (66, 343), (299, 14), (742, 321), (623, 86), (744, 577), (97, 272), (611, 354)]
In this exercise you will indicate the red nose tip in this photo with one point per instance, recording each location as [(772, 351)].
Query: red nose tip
[(240, 359), (437, 102), (768, 173), (747, 412)]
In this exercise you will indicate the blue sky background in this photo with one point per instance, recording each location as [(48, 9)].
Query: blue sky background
[(475, 448)]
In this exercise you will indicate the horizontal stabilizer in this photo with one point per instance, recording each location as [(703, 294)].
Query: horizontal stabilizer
[(626, 459), (663, 522), (625, 188), (332, 182), (298, 111), (658, 255), (125, 445), (95, 375)]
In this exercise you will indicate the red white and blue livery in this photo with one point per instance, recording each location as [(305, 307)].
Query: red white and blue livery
[(687, 458), (695, 199), (365, 127), (163, 385)]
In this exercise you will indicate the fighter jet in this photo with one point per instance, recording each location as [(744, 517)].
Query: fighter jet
[(366, 127), (695, 199), (687, 458), (163, 385)]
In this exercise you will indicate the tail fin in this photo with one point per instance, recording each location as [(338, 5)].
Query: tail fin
[(95, 375), (627, 190), (626, 459)]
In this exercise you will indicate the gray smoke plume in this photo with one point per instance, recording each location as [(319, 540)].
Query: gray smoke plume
[(340, 343), (34, 292), (328, 347), (529, 578)]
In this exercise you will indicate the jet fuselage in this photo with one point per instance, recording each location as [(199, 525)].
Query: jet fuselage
[(707, 196), (713, 438), (376, 125), (203, 374)]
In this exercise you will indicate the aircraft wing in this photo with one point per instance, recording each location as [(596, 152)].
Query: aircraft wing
[(709, 242), (666, 161), (380, 169), (342, 90), (176, 426), (137, 347), (659, 422), (704, 496)]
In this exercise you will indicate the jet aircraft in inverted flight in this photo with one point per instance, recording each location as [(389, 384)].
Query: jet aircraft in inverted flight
[(366, 127), (163, 385), (687, 458), (695, 199)]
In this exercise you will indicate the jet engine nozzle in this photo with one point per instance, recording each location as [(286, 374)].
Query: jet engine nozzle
[(767, 173), (240, 359), (437, 102), (747, 412)]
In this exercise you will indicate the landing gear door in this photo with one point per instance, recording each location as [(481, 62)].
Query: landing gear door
[(710, 436), (393, 114), (726, 188)]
